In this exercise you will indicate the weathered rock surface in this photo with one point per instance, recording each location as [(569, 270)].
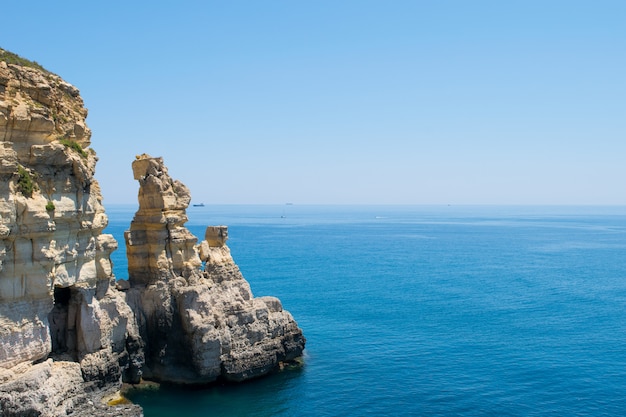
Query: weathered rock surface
[(56, 294), (69, 332), (55, 388), (197, 326)]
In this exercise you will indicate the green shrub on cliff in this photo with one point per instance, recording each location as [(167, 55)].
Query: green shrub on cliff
[(72, 144), (50, 206), (11, 58), (25, 182)]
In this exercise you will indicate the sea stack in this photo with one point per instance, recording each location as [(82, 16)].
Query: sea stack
[(198, 325), (70, 332)]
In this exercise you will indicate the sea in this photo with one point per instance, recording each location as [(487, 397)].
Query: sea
[(425, 310)]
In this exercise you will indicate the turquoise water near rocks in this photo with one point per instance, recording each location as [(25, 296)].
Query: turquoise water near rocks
[(426, 310)]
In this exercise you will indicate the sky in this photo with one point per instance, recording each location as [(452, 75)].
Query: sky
[(346, 102)]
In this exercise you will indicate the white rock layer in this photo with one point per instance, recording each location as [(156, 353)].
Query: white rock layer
[(197, 326), (56, 297)]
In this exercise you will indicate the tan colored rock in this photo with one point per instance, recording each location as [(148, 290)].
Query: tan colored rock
[(54, 388), (158, 246), (216, 236), (56, 294), (37, 107), (8, 158), (197, 325), (68, 333)]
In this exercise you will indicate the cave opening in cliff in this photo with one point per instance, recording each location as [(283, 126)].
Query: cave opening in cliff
[(59, 320), (62, 296)]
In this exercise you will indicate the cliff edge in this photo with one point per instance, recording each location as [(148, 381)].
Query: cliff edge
[(69, 332), (63, 325)]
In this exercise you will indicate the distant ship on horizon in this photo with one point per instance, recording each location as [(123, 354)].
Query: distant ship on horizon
[(199, 205)]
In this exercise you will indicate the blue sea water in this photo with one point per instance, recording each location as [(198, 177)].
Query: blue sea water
[(426, 311)]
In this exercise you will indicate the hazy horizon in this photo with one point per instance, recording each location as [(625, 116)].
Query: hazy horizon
[(353, 102)]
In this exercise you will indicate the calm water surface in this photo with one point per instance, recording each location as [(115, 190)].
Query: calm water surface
[(426, 311)]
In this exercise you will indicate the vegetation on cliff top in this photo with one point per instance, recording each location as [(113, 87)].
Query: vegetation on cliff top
[(11, 58), (75, 146)]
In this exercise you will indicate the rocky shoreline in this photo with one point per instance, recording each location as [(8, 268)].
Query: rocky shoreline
[(71, 333)]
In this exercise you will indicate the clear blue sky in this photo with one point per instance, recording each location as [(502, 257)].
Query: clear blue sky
[(417, 102)]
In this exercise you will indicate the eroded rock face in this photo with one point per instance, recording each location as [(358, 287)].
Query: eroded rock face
[(69, 333), (56, 294), (197, 326), (159, 247), (55, 388)]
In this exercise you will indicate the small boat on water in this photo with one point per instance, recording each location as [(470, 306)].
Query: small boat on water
[(199, 205)]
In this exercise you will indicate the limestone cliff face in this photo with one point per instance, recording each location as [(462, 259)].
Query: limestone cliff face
[(69, 333), (197, 325), (56, 294)]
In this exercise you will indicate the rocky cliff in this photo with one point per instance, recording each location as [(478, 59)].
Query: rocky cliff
[(63, 325), (198, 324), (68, 335)]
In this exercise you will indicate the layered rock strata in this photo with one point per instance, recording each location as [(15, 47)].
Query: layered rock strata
[(69, 332), (64, 328), (198, 325)]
